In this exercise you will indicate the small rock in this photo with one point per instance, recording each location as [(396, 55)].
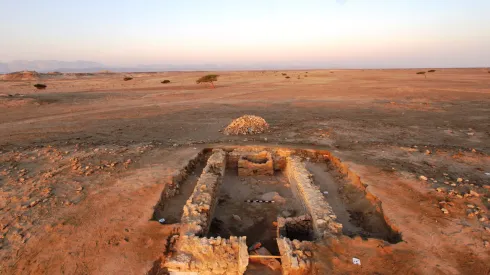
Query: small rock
[(427, 152), (440, 190), (286, 214), (175, 145), (424, 178), (459, 180), (237, 218), (444, 210), (79, 189), (471, 206), (473, 193), (486, 243)]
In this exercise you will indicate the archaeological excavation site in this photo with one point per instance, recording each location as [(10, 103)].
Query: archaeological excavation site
[(262, 210)]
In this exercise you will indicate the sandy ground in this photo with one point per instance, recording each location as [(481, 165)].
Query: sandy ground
[(83, 162)]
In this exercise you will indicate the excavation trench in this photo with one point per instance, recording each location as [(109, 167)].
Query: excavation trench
[(239, 207), (358, 215)]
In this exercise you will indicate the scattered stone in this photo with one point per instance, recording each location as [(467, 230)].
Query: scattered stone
[(459, 180), (439, 189), (444, 210), (471, 206), (427, 152), (424, 178), (486, 243), (286, 214), (237, 218)]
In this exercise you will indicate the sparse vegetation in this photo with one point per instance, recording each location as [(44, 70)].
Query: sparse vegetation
[(431, 71), (40, 86), (284, 74), (422, 73), (287, 77), (210, 78), (166, 81), (127, 78)]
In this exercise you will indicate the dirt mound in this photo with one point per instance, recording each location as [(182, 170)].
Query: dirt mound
[(246, 125), (24, 75)]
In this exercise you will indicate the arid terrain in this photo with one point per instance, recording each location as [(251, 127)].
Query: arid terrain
[(84, 162)]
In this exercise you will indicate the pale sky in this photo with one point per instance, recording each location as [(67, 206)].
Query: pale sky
[(349, 33)]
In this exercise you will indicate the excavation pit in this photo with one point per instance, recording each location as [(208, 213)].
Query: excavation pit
[(249, 206), (253, 209)]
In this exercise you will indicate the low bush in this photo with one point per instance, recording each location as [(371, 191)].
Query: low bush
[(40, 86)]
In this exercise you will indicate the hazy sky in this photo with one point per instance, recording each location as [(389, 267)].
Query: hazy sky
[(349, 33)]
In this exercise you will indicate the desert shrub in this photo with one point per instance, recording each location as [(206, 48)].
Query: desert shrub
[(210, 78), (284, 74), (431, 71), (306, 75), (127, 78), (288, 77), (40, 86), (166, 81), (420, 72)]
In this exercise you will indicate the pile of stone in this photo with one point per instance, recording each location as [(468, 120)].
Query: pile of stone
[(247, 125)]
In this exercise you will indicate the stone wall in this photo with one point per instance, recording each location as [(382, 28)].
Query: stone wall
[(209, 256), (295, 256), (254, 164), (323, 217), (199, 208)]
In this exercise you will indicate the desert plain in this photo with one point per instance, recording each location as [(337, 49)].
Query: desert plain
[(84, 162)]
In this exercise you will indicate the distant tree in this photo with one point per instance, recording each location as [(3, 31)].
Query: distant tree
[(166, 81), (210, 78), (127, 78), (422, 73), (40, 86), (431, 71)]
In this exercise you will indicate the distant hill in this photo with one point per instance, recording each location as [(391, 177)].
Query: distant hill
[(44, 66)]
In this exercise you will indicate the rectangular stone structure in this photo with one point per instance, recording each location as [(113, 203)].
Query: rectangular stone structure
[(255, 164)]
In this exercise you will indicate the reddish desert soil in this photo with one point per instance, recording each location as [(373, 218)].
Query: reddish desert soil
[(83, 163)]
